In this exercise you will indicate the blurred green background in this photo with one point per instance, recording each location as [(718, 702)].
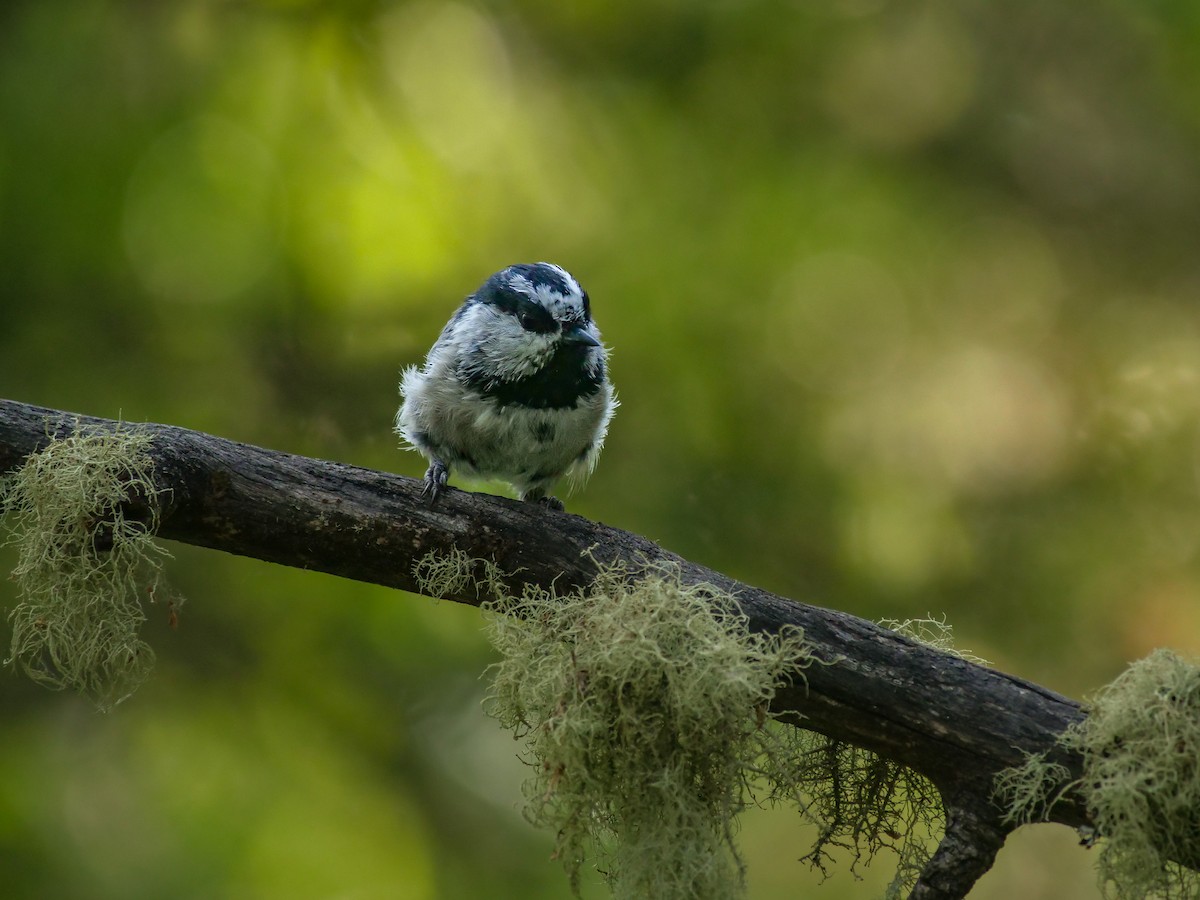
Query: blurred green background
[(903, 306)]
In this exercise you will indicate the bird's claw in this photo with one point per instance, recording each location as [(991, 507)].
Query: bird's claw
[(539, 496), (435, 482)]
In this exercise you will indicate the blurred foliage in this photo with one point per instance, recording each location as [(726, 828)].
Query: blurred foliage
[(902, 298)]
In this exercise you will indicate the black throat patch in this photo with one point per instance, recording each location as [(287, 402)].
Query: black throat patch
[(560, 384)]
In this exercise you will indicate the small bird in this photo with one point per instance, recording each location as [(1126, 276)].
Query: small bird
[(516, 387)]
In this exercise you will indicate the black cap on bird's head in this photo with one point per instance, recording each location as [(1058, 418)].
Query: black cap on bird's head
[(548, 354), (544, 297)]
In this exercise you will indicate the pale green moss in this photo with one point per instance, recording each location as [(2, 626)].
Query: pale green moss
[(935, 633), (82, 513), (642, 707), (1027, 791), (863, 804), (1141, 749), (1141, 760), (443, 575)]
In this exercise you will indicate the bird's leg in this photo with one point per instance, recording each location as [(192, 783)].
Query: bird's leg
[(435, 481), (539, 495)]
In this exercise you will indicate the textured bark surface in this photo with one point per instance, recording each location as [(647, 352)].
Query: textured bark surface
[(956, 722), (973, 836)]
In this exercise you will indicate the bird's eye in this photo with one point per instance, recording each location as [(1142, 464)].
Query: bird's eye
[(534, 318)]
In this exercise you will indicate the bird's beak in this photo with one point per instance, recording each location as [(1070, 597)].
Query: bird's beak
[(574, 334)]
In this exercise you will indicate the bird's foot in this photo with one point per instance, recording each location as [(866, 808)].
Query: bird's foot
[(435, 482), (540, 497)]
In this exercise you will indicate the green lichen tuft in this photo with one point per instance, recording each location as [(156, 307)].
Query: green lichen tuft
[(642, 707), (445, 575), (862, 804), (82, 513), (1141, 779), (935, 633), (1141, 758), (1028, 791)]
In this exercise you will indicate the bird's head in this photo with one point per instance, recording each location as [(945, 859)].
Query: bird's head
[(527, 335)]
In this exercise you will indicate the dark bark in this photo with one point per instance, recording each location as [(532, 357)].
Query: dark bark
[(974, 834), (955, 722)]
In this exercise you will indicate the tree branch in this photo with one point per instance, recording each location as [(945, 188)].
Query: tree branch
[(973, 836), (953, 721)]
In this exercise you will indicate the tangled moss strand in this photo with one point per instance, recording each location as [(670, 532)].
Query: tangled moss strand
[(1027, 792), (642, 708), (1141, 749), (82, 513), (443, 576), (935, 633), (862, 804), (1141, 779)]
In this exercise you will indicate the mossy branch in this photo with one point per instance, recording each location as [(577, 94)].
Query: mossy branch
[(953, 721), (82, 514)]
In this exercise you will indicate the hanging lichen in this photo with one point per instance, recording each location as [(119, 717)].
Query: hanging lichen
[(642, 707), (82, 513), (1140, 745), (1027, 792), (862, 804)]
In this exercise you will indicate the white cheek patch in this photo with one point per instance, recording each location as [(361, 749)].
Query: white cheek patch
[(508, 350)]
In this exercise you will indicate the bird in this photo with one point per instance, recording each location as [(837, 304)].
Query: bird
[(515, 388)]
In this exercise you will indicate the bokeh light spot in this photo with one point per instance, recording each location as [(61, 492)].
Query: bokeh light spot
[(901, 85), (976, 420), (203, 212), (451, 68), (840, 322), (1004, 279), (902, 534)]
